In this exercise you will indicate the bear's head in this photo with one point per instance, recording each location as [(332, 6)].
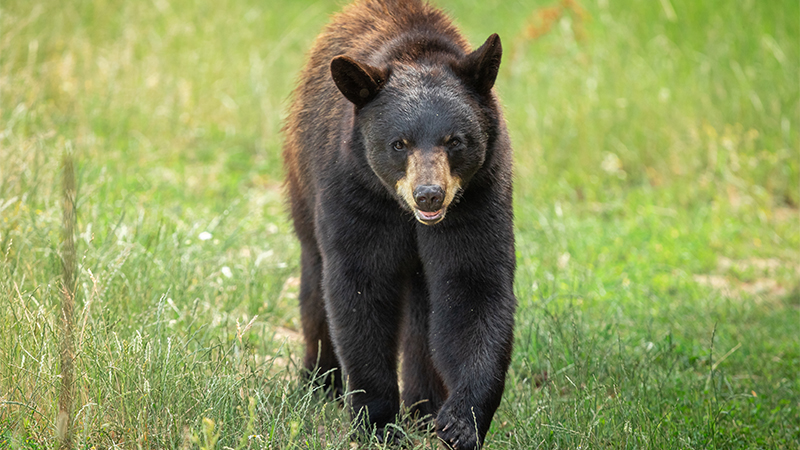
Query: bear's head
[(422, 123)]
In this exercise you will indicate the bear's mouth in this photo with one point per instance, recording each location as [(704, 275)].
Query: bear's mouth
[(429, 218)]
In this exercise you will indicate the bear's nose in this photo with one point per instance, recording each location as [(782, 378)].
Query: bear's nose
[(429, 197)]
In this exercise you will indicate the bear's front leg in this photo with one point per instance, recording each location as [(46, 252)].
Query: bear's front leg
[(469, 263), (365, 272)]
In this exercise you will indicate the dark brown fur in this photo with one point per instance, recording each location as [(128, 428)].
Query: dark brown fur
[(374, 280)]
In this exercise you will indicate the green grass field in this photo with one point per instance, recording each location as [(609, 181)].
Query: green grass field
[(657, 151)]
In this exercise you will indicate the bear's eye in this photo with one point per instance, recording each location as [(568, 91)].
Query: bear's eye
[(454, 143), (398, 145)]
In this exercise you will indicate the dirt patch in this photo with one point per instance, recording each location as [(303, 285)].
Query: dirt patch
[(783, 215), (763, 283), (769, 265), (289, 335)]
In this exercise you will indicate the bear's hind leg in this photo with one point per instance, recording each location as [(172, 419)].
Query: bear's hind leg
[(423, 388), (320, 358)]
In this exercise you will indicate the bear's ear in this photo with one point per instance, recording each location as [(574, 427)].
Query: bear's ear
[(479, 68), (358, 82)]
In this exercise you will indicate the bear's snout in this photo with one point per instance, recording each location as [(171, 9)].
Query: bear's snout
[(428, 187), (429, 197)]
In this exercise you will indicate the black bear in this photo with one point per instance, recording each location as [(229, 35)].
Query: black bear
[(398, 167)]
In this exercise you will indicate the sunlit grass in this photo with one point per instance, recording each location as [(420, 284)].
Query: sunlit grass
[(657, 158)]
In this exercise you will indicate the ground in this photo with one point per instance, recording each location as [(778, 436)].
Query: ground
[(656, 198)]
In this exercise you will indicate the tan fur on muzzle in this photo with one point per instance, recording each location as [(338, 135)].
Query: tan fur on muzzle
[(428, 168)]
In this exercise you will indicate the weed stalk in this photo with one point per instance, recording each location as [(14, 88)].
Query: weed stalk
[(63, 431)]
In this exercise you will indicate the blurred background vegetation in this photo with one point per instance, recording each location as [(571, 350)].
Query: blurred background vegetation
[(657, 192)]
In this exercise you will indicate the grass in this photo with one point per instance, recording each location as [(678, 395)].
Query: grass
[(658, 234)]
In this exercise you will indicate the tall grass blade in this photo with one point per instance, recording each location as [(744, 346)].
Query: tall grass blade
[(68, 290)]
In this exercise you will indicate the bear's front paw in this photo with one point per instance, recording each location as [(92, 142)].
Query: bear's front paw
[(457, 432)]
